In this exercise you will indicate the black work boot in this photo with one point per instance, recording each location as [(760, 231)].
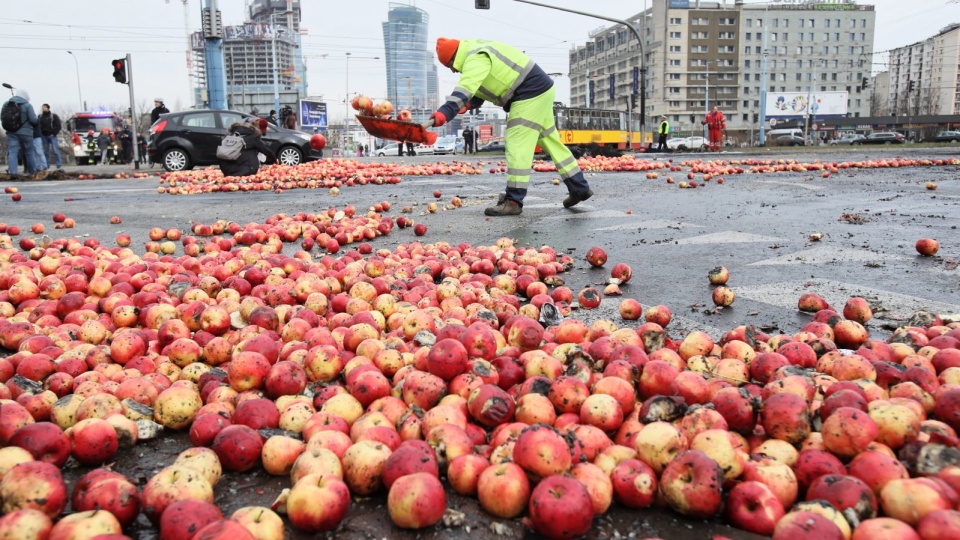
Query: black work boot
[(576, 198), (504, 207)]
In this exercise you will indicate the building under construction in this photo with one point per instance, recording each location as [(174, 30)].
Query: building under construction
[(248, 55)]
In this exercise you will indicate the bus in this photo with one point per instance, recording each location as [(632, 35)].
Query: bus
[(585, 127)]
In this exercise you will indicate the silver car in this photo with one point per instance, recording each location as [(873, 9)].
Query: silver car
[(846, 140)]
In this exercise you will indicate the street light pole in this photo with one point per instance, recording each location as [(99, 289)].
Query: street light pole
[(79, 93), (763, 78), (346, 100), (806, 127), (636, 33)]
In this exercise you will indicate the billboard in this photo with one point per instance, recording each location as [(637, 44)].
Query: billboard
[(785, 105), (313, 114)]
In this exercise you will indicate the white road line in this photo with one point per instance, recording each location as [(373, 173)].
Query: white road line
[(649, 224)]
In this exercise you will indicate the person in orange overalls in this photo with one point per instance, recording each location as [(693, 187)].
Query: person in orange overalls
[(716, 123)]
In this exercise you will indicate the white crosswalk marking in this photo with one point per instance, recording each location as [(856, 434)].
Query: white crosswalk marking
[(828, 254), (785, 295), (649, 224), (794, 184), (728, 237)]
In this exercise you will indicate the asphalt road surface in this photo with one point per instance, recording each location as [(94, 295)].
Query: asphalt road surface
[(758, 226)]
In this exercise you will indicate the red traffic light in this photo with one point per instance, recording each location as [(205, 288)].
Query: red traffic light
[(120, 70)]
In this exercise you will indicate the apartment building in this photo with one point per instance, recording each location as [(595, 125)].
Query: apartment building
[(923, 77), (703, 54)]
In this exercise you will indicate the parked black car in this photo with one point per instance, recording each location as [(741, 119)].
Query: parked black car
[(179, 141), (882, 138), (947, 136)]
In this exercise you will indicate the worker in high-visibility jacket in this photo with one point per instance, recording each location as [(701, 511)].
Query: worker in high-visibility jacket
[(501, 74), (716, 124), (663, 131)]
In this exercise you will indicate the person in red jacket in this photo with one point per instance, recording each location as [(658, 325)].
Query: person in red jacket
[(717, 124)]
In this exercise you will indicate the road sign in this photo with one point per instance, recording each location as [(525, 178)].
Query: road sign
[(814, 127), (773, 122)]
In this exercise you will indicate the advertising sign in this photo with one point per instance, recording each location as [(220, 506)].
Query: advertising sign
[(313, 114), (485, 131), (783, 105), (613, 83)]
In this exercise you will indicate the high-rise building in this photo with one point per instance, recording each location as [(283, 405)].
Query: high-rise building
[(923, 77), (702, 54), (248, 54), (411, 70)]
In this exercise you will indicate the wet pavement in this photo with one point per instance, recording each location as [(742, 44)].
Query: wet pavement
[(757, 225)]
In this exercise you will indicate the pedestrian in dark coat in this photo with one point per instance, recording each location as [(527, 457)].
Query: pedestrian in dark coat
[(249, 162)]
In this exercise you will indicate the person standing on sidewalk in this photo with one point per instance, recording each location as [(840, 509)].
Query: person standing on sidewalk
[(18, 120), (49, 129), (503, 75)]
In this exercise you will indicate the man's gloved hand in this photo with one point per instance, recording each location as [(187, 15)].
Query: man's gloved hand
[(464, 110), (438, 119)]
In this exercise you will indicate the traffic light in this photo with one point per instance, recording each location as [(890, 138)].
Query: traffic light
[(633, 101), (864, 83), (120, 70), (911, 86), (481, 4)]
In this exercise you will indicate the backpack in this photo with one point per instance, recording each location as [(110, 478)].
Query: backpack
[(11, 117), (230, 147)]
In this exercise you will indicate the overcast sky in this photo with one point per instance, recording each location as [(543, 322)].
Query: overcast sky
[(35, 35)]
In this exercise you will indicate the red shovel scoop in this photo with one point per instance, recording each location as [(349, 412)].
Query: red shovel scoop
[(395, 130)]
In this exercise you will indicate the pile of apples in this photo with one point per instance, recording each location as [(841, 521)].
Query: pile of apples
[(383, 109), (392, 369)]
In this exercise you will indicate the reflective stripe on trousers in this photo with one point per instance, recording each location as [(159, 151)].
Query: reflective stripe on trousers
[(531, 123)]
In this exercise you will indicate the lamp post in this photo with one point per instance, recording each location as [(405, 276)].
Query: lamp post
[(346, 101), (806, 127), (79, 93), (763, 78)]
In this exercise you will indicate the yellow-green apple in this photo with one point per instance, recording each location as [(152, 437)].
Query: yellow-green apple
[(658, 444), (25, 524), (363, 466), (912, 499), (86, 524), (262, 522), (279, 454), (171, 484)]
